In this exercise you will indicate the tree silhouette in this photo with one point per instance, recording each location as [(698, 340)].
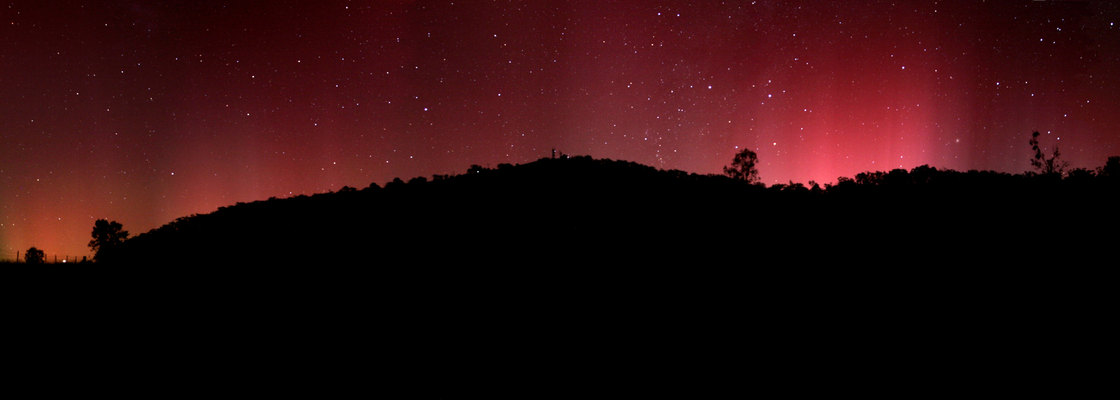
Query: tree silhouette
[(34, 256), (743, 166), (107, 237), (1111, 168), (1043, 165)]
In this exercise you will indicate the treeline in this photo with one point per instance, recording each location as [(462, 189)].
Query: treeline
[(579, 210)]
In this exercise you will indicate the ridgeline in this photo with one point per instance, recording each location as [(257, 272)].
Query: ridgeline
[(581, 212)]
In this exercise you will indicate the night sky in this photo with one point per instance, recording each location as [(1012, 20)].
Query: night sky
[(146, 111)]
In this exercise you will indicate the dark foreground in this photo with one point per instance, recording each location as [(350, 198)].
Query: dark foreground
[(605, 280), (477, 331)]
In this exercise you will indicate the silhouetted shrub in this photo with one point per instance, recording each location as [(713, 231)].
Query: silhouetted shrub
[(33, 256), (108, 236), (1111, 168), (1052, 165), (743, 167)]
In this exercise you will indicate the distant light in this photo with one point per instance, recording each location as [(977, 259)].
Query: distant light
[(64, 261)]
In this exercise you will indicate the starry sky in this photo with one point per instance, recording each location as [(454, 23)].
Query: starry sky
[(146, 111)]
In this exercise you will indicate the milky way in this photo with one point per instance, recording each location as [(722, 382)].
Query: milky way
[(144, 112)]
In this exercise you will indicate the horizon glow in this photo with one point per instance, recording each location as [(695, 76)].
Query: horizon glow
[(144, 112)]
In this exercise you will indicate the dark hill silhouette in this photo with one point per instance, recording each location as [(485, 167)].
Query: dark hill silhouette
[(552, 211), (579, 212), (572, 272)]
